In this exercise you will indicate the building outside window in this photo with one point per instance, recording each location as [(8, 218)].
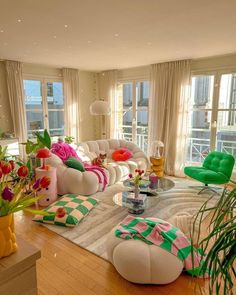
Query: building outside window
[(44, 104), (131, 112)]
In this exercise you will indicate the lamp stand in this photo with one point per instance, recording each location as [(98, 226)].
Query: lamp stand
[(103, 127)]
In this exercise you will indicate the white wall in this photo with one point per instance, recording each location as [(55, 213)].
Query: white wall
[(90, 128)]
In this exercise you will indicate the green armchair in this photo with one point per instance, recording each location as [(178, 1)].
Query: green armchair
[(216, 169)]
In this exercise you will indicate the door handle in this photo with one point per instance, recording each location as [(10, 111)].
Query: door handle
[(214, 124)]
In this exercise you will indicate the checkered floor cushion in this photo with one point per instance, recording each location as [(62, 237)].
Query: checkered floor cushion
[(76, 207)]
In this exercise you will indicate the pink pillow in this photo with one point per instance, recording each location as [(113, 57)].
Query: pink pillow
[(122, 154), (64, 151)]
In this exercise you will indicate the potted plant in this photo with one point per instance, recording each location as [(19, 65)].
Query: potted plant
[(15, 196), (220, 242), (32, 147)]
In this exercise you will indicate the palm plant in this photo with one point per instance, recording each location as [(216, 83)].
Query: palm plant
[(220, 242)]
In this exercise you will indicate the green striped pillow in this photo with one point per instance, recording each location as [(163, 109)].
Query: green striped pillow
[(76, 207)]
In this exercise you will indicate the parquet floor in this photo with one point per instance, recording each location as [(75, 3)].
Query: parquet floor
[(66, 269)]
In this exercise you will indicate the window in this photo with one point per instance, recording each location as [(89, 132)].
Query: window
[(131, 112), (44, 104), (213, 116)]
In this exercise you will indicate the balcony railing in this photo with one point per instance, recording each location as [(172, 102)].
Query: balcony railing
[(142, 135), (199, 148)]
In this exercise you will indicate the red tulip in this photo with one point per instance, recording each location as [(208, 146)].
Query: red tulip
[(0, 173), (2, 163), (12, 163), (23, 171), (6, 168), (45, 181), (130, 175)]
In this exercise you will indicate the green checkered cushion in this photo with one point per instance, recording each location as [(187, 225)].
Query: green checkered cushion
[(76, 207)]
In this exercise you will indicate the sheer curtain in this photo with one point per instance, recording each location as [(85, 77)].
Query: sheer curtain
[(170, 92), (107, 82), (72, 110), (15, 88)]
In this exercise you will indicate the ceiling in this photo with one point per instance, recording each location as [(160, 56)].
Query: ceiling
[(108, 34)]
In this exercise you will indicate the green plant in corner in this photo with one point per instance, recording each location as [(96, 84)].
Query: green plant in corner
[(220, 243)]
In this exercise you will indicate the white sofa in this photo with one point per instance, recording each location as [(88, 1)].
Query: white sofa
[(86, 183)]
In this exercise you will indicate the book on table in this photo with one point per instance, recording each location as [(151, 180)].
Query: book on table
[(130, 198)]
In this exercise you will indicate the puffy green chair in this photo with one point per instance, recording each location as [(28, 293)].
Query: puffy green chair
[(216, 169)]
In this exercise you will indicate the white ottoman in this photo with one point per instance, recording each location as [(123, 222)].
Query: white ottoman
[(141, 263)]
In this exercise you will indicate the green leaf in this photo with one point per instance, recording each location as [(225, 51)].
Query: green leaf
[(38, 212), (47, 139)]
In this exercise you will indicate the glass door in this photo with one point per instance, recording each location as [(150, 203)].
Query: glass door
[(131, 112), (200, 118), (34, 106), (44, 104), (226, 115), (213, 116)]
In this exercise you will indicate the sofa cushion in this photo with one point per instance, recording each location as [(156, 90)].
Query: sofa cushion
[(75, 164), (76, 208), (122, 154)]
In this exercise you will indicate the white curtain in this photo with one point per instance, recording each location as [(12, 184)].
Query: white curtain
[(107, 82), (168, 111), (72, 110), (16, 98)]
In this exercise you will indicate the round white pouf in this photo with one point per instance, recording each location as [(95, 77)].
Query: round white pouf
[(141, 263)]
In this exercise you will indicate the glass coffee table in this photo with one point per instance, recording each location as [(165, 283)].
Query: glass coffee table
[(164, 184), (122, 200)]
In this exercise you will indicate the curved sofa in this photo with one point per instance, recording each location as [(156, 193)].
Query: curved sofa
[(86, 183)]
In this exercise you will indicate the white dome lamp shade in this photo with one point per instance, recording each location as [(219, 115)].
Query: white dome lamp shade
[(100, 107)]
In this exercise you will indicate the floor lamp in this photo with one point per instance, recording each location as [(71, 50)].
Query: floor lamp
[(101, 108)]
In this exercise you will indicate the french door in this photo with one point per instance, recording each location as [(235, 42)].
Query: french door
[(131, 112), (44, 105), (213, 115)]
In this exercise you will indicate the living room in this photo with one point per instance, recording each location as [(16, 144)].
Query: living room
[(117, 147)]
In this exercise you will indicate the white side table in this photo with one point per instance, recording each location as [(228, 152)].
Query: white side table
[(51, 191)]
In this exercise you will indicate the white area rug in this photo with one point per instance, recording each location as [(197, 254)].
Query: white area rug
[(91, 233)]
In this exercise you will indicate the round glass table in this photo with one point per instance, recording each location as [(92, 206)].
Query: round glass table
[(122, 199), (164, 184)]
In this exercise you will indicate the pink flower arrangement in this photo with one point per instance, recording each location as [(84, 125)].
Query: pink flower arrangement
[(137, 177)]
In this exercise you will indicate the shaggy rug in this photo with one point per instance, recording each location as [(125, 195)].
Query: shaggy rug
[(91, 233)]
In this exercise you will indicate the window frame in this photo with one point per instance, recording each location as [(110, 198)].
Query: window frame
[(217, 74), (44, 79), (135, 106)]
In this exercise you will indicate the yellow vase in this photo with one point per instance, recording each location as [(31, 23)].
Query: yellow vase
[(7, 236)]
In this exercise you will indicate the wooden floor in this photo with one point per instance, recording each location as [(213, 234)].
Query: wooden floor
[(67, 269)]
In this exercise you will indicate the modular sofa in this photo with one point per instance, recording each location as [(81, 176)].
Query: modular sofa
[(86, 183)]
